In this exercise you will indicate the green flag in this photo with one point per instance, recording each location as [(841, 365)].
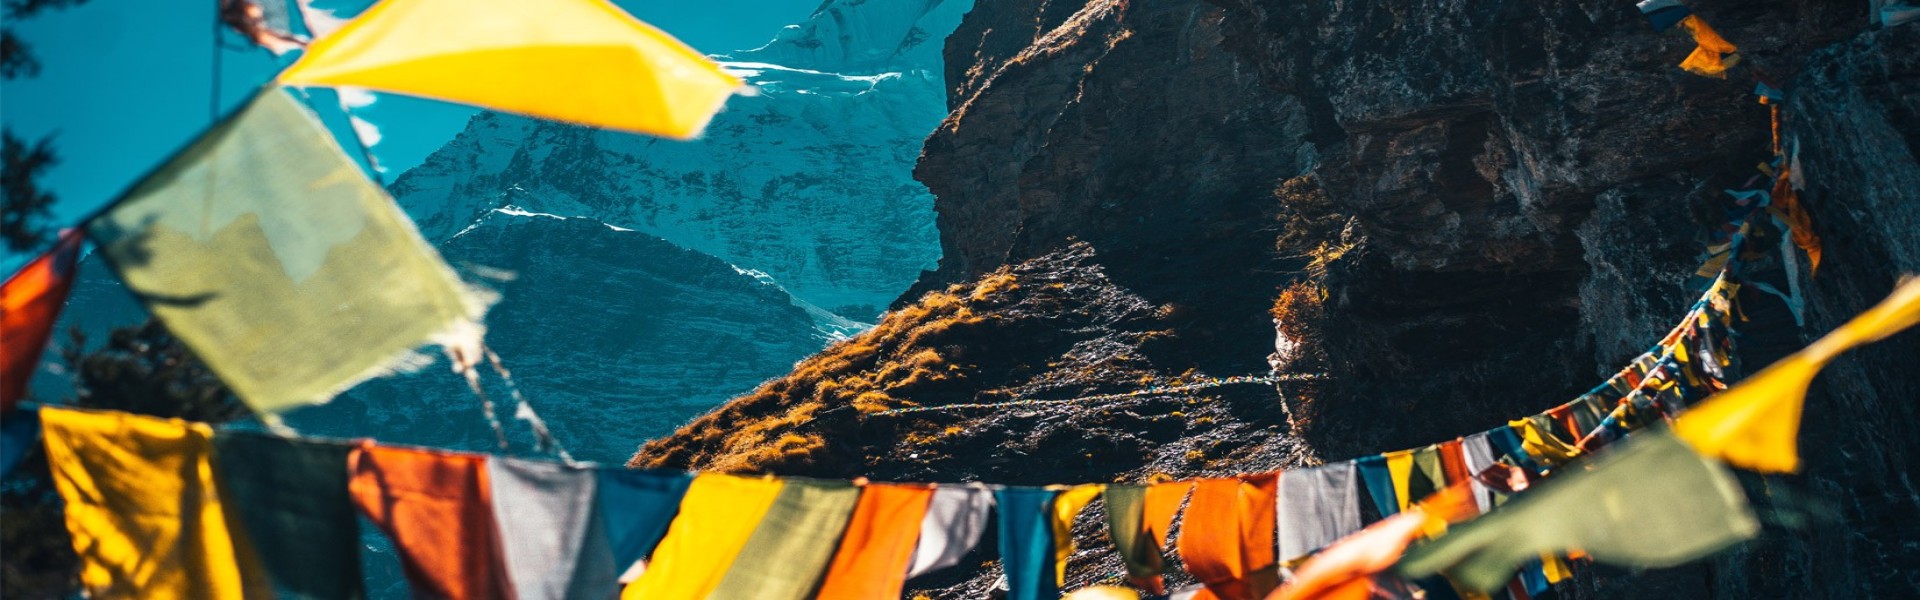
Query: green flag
[(1651, 503), (266, 250)]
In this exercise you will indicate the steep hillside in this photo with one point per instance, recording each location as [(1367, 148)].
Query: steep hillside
[(1454, 213)]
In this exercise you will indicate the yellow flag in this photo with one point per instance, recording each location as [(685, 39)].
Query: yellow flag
[(1756, 425), (1066, 506), (580, 61), (142, 508), (1400, 469), (717, 517)]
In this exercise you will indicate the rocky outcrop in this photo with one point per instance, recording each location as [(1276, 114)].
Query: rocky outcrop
[(1457, 212)]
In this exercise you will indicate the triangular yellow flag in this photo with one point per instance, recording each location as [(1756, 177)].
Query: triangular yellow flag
[(580, 61), (1066, 506), (1756, 425)]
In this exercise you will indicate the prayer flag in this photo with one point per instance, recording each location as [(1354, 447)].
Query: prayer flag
[(142, 507), (30, 303), (1713, 54), (789, 552), (717, 516), (877, 548), (956, 516), (1316, 507), (1026, 542), (550, 530), (1227, 540), (1650, 503), (580, 61), (1379, 483), (437, 509), (1066, 507), (291, 495), (1138, 517), (268, 252), (637, 506), (1756, 425)]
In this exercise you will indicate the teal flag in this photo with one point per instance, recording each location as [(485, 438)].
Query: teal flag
[(291, 497)]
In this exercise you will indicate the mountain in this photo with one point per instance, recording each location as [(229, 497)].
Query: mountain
[(598, 325), (1441, 215), (806, 179)]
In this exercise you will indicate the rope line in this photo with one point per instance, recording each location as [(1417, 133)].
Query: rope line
[(1151, 391)]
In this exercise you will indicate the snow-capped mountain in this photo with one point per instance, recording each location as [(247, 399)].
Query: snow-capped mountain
[(809, 180)]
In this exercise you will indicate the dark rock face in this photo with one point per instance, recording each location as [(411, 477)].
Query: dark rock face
[(1468, 211)]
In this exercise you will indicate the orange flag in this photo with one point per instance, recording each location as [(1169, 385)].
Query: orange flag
[(30, 301), (878, 543), (1786, 203), (435, 508), (1227, 540), (1708, 57)]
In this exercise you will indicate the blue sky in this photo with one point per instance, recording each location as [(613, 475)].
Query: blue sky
[(125, 82)]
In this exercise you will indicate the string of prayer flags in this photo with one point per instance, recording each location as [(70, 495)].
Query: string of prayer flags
[(1663, 14), (1139, 518), (877, 547), (295, 512), (264, 248), (437, 509), (580, 61), (19, 432), (636, 507), (956, 517), (1712, 54), (717, 516), (547, 520), (1756, 425), (1316, 506), (142, 506), (30, 302), (785, 556), (1227, 539), (1650, 503)]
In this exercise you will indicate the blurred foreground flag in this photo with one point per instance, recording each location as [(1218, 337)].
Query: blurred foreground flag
[(1651, 503), (1756, 425), (30, 301), (267, 250), (580, 61)]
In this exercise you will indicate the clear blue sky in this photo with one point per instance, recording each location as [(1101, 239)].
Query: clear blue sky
[(125, 82)]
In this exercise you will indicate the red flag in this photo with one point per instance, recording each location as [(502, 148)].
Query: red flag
[(29, 303)]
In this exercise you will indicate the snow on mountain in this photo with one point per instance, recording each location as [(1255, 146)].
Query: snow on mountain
[(808, 181)]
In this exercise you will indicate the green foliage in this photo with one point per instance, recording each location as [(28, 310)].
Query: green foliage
[(27, 206)]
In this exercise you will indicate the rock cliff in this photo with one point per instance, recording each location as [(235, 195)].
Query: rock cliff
[(1452, 213)]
